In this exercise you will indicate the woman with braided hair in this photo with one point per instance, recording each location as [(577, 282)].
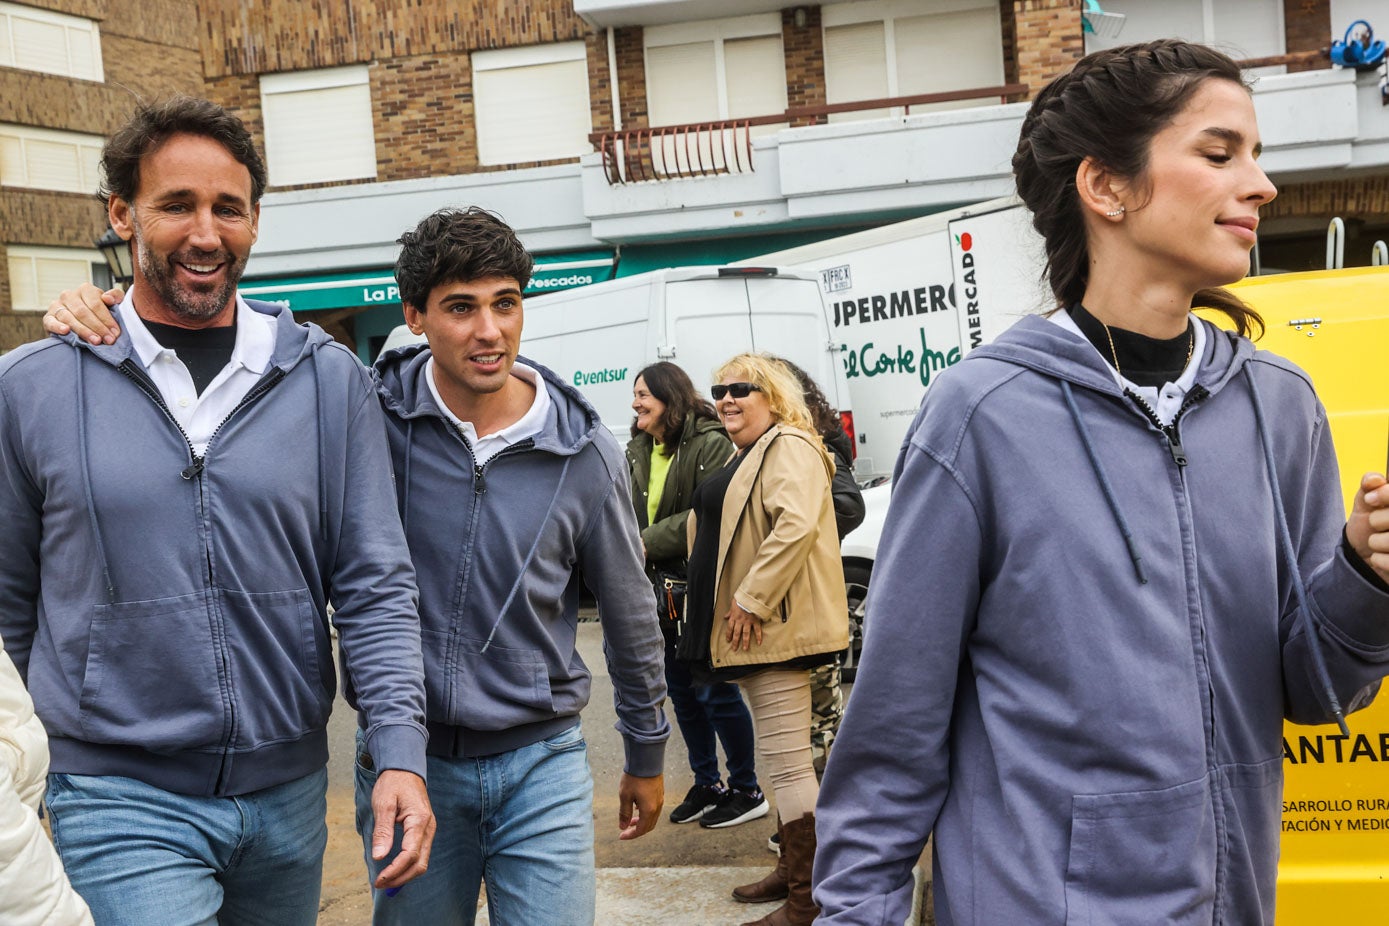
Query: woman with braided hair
[(1116, 558)]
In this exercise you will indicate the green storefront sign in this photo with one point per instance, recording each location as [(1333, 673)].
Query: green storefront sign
[(328, 291)]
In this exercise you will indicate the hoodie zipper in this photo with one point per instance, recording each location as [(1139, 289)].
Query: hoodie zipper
[(193, 471), (1171, 432), (466, 566), (1174, 443)]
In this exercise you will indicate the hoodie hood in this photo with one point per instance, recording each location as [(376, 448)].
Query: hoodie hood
[(571, 425), (1043, 347), (293, 341)]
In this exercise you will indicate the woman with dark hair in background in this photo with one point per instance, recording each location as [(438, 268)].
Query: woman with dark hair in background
[(677, 442), (1116, 556), (767, 601)]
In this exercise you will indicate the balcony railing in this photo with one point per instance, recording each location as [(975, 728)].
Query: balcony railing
[(703, 149)]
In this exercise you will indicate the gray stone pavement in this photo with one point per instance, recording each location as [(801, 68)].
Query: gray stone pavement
[(673, 876)]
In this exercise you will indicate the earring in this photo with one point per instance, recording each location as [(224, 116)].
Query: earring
[(1119, 211)]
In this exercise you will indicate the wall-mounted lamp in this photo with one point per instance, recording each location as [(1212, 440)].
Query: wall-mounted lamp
[(799, 17), (116, 250)]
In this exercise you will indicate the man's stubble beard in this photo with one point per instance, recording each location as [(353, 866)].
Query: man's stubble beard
[(186, 303)]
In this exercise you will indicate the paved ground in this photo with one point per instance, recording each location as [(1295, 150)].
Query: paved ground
[(673, 876)]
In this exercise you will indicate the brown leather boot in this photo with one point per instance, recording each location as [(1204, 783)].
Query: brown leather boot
[(798, 854), (770, 888)]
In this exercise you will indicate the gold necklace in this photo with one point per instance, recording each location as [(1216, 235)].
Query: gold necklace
[(1190, 348)]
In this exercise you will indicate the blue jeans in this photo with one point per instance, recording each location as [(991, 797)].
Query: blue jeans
[(139, 854), (705, 711), (520, 820)]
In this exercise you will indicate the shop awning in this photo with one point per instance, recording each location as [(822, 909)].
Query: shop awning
[(320, 292)]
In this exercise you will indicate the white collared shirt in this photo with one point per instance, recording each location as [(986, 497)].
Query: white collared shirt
[(528, 425), (1165, 401), (201, 415)]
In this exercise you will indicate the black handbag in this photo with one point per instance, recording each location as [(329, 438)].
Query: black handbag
[(670, 597)]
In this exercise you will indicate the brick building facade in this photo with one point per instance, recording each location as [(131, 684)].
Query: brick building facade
[(419, 62), (149, 49)]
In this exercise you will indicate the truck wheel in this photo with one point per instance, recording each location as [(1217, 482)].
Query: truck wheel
[(856, 588)]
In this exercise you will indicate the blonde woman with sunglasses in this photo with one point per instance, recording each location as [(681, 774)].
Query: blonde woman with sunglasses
[(766, 597)]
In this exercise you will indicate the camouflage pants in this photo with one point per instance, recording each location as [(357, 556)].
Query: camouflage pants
[(826, 711)]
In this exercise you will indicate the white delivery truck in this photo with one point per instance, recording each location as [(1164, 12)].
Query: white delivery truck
[(599, 337), (910, 299)]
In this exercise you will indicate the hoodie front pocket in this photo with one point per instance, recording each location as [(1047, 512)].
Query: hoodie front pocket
[(499, 688), (151, 677), (277, 645), (1142, 857)]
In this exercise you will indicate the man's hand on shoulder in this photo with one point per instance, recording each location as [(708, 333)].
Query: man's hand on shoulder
[(400, 797), (84, 311), (639, 804)]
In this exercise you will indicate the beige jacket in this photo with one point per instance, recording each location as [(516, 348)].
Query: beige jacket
[(34, 891), (779, 552)]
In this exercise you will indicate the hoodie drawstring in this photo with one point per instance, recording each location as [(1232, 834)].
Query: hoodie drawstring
[(405, 489), (1285, 543), (82, 456), (322, 464), (1105, 485), (526, 565)]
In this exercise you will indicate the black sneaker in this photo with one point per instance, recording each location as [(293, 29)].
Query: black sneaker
[(774, 843), (698, 801), (736, 807)]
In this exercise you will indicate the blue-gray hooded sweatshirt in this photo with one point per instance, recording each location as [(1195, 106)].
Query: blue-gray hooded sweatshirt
[(167, 611), (1083, 637), (500, 551)]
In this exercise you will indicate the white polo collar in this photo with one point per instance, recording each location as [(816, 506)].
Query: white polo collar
[(255, 338)]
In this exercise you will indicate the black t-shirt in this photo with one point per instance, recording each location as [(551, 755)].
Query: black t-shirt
[(204, 351), (707, 503), (1142, 360)]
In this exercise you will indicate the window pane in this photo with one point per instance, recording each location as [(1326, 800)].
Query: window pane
[(534, 113), (856, 68), (681, 85)]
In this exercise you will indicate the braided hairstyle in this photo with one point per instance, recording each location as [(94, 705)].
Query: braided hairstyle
[(1109, 107)]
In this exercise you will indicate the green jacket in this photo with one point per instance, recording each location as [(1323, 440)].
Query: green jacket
[(703, 449)]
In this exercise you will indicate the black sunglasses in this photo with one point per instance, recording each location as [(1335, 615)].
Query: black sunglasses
[(737, 390)]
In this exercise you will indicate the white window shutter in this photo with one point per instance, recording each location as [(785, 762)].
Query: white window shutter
[(84, 54), (24, 288), (13, 171), (316, 135), (89, 157), (40, 46), (929, 59), (856, 68), (53, 165), (537, 112), (6, 49), (680, 84), (57, 274), (755, 70)]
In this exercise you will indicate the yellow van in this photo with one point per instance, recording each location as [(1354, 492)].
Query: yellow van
[(1335, 858)]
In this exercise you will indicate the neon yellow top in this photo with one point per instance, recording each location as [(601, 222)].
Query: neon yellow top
[(660, 465)]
